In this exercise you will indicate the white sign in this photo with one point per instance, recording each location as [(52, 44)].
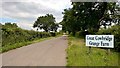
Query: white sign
[(100, 41)]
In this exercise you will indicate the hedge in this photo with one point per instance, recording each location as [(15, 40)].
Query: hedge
[(114, 30)]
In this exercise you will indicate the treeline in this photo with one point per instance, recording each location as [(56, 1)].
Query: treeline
[(12, 34), (88, 17)]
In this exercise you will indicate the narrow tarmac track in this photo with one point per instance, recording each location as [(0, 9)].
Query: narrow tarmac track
[(46, 53)]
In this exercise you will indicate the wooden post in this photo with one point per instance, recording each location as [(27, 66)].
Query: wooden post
[(89, 50), (108, 51)]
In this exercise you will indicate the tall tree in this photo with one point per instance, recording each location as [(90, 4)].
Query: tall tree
[(89, 16), (45, 22)]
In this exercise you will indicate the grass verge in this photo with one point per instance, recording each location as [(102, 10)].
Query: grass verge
[(78, 55), (21, 44)]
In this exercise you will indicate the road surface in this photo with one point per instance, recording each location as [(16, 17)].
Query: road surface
[(46, 53)]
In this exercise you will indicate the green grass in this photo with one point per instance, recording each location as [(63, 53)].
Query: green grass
[(78, 55), (18, 45)]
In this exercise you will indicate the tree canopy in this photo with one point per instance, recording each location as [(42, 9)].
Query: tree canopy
[(89, 16), (46, 22)]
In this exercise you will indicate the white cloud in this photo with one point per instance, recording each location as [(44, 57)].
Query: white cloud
[(26, 25), (27, 11)]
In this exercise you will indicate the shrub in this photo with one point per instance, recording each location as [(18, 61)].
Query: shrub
[(114, 30), (12, 35), (81, 34), (53, 33), (77, 34)]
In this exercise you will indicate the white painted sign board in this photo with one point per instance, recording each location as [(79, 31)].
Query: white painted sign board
[(106, 41)]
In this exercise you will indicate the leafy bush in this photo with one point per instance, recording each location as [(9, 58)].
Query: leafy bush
[(114, 30), (81, 34), (12, 34), (77, 34), (53, 34)]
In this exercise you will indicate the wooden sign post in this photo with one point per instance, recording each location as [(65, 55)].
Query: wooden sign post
[(108, 51), (89, 50)]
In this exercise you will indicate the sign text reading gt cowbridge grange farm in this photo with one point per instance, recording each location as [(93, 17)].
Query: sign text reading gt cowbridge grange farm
[(100, 41)]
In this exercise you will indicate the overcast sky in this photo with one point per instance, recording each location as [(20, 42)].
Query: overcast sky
[(25, 12)]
